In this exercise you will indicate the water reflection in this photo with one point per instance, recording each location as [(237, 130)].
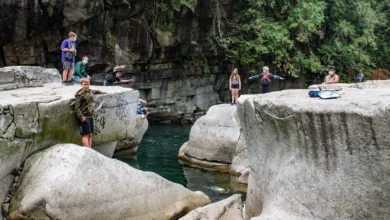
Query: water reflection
[(158, 153)]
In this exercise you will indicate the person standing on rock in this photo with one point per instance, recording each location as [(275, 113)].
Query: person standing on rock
[(266, 78), (79, 70), (84, 108), (332, 77), (116, 77), (235, 85), (68, 59)]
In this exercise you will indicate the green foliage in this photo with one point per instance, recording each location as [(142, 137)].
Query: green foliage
[(304, 36), (111, 43), (126, 2), (191, 4)]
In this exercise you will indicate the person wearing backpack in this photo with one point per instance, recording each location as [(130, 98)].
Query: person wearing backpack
[(266, 79), (68, 48)]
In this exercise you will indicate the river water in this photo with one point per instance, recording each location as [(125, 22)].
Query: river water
[(158, 153)]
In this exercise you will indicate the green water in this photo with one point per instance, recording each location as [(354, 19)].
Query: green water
[(158, 153)]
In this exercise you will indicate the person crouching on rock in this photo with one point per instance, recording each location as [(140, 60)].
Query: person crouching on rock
[(84, 108), (266, 78), (143, 111), (116, 77), (235, 85), (79, 70)]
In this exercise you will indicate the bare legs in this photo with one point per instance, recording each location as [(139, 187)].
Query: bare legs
[(70, 74), (67, 75), (86, 140), (64, 75), (234, 96)]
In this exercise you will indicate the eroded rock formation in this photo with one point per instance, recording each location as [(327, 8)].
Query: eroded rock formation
[(92, 186), (318, 159)]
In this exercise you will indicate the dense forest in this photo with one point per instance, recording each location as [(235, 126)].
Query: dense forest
[(304, 36)]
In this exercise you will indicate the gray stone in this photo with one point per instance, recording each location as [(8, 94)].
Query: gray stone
[(227, 209), (129, 146), (13, 77), (124, 192), (318, 159), (5, 184), (5, 209), (106, 149), (214, 136), (240, 159), (5, 123), (26, 119)]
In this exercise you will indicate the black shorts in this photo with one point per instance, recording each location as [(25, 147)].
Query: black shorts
[(235, 86), (86, 127)]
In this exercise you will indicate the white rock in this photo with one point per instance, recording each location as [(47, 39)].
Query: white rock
[(92, 186), (13, 77), (227, 209), (318, 159), (214, 136)]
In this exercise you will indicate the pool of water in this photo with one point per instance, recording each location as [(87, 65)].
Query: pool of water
[(158, 153)]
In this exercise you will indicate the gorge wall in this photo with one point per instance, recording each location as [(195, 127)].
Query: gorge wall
[(170, 53)]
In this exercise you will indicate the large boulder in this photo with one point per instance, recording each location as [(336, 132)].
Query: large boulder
[(216, 142), (227, 209), (92, 186), (129, 146), (32, 119), (213, 137), (14, 77), (318, 159)]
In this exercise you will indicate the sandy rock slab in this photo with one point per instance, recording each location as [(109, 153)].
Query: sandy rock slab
[(67, 181)]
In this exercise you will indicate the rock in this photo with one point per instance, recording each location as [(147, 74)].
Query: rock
[(14, 77), (318, 159), (129, 146), (5, 184), (32, 119), (5, 209), (227, 209), (214, 136), (124, 192), (240, 159), (107, 149), (216, 142)]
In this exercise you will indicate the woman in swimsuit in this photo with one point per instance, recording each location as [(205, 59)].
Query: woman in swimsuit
[(235, 85)]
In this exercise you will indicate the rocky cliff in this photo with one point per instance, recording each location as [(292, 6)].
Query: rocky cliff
[(169, 51), (35, 118), (318, 159)]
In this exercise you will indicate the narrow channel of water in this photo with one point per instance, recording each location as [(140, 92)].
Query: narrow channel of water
[(158, 153)]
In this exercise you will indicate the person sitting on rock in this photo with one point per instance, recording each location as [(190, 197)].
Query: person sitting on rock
[(266, 78), (143, 111), (79, 70), (332, 77), (84, 108), (116, 76)]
